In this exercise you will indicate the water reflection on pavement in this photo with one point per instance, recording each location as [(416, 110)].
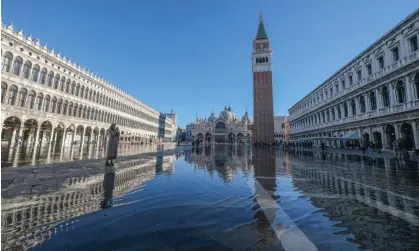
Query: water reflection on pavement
[(229, 198), (21, 156)]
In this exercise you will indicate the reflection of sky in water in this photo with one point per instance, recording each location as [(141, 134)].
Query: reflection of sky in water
[(217, 199)]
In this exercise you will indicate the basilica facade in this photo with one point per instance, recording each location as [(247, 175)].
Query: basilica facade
[(375, 96), (225, 128), (49, 100)]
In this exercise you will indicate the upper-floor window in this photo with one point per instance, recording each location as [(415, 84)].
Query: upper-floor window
[(343, 84), (350, 80), (381, 62), (337, 88), (359, 75), (369, 69), (413, 41), (331, 91), (395, 52)]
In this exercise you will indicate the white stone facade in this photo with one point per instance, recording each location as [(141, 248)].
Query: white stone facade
[(45, 96), (226, 128), (376, 94), (279, 127)]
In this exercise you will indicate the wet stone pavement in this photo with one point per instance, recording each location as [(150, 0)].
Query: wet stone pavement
[(221, 198)]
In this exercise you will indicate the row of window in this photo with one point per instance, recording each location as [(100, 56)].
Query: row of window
[(35, 74), (31, 100), (336, 88), (262, 60), (330, 115)]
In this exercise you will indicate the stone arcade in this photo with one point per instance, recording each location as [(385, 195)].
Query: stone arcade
[(48, 100), (375, 95)]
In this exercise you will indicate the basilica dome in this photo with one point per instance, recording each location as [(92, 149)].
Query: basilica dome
[(228, 115), (212, 118), (246, 118)]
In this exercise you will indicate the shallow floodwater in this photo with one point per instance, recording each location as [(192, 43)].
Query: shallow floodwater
[(234, 198)]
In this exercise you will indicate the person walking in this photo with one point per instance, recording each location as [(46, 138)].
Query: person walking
[(113, 142)]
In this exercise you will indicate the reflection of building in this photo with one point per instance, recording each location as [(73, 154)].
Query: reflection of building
[(376, 94), (375, 216), (222, 129), (26, 223), (224, 160), (48, 99), (263, 112), (279, 127)]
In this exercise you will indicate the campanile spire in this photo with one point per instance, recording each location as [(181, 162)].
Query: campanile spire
[(263, 114)]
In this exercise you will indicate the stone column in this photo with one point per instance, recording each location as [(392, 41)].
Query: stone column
[(415, 133), (357, 105), (392, 94), (342, 111), (409, 91), (367, 102), (82, 140), (38, 130), (13, 138), (397, 131), (383, 137), (97, 143), (378, 99), (348, 103), (63, 139)]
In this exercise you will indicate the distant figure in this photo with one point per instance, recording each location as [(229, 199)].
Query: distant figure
[(112, 150), (396, 148)]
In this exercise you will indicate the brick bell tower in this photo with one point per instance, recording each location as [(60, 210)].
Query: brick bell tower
[(263, 113)]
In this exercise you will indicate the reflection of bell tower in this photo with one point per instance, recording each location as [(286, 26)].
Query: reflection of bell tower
[(263, 125)]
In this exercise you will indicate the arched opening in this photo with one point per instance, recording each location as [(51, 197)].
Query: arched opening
[(58, 137), (208, 138), (366, 137), (27, 69), (45, 135), (406, 131), (3, 92), (29, 132), (401, 92), (231, 138), (353, 107), (385, 96), (17, 66), (362, 104), (240, 138), (377, 137), (10, 132), (12, 95), (6, 62), (23, 93), (200, 138), (373, 101), (390, 135)]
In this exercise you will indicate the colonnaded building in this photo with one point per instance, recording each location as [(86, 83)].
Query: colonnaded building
[(375, 95), (48, 99)]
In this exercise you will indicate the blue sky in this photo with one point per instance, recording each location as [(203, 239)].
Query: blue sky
[(194, 56)]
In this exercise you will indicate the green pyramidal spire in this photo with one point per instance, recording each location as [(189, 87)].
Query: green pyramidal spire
[(261, 29)]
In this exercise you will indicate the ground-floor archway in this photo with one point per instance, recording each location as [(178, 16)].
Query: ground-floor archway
[(406, 131)]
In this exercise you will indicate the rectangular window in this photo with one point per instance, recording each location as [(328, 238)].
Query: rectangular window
[(337, 88), (381, 62), (359, 75), (413, 44), (369, 69), (331, 92), (350, 80), (395, 52), (343, 84)]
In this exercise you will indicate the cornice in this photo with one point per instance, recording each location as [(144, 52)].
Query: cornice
[(381, 40)]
